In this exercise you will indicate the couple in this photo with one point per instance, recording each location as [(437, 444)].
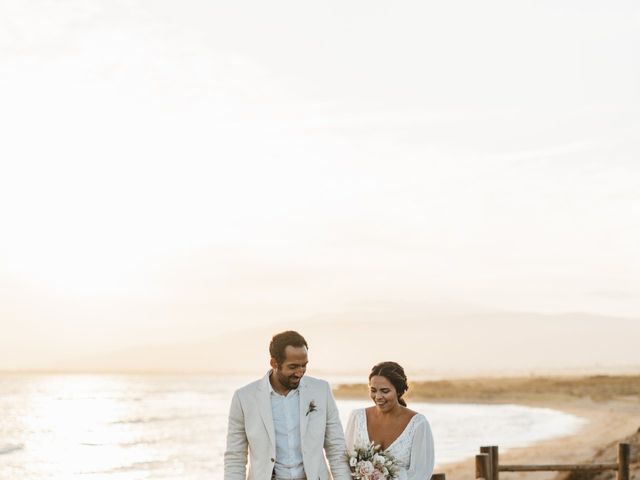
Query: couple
[(288, 423)]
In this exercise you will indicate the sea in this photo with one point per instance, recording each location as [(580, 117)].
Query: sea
[(133, 427)]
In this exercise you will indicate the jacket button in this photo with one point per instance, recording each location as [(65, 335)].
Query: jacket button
[(273, 460)]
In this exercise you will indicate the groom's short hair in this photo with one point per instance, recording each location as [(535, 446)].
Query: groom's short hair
[(281, 341)]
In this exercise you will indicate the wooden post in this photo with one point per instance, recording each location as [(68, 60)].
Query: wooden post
[(492, 451), (483, 466), (487, 450), (495, 470), (438, 476), (624, 457)]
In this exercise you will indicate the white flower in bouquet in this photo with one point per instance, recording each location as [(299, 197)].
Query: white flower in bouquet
[(369, 463)]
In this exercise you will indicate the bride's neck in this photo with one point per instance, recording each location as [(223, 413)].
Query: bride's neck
[(394, 412)]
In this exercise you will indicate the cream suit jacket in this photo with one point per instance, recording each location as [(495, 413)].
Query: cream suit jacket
[(251, 432)]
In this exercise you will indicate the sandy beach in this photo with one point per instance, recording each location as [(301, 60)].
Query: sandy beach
[(611, 405)]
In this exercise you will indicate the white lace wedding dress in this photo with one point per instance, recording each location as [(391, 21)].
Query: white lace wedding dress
[(413, 449)]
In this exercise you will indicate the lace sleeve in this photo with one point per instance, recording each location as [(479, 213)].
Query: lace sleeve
[(351, 430), (422, 453)]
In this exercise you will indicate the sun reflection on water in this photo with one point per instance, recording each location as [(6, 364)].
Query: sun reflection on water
[(81, 433)]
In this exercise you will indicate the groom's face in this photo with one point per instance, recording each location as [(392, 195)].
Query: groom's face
[(292, 369)]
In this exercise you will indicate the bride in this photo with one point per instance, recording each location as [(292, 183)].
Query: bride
[(399, 431)]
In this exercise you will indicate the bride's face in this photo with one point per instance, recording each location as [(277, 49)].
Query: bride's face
[(383, 393)]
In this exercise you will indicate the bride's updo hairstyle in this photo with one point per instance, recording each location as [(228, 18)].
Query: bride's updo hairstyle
[(395, 374)]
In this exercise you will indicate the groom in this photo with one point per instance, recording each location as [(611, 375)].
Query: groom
[(284, 421)]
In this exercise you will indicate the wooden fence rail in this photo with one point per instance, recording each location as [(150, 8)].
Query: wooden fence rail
[(488, 466)]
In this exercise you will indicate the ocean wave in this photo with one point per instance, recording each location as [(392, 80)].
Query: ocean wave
[(135, 420), (8, 448), (143, 420), (144, 466), (132, 443), (143, 441)]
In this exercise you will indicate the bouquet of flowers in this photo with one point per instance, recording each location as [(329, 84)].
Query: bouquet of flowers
[(369, 463)]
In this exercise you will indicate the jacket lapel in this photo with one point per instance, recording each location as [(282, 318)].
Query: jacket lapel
[(304, 407), (264, 405)]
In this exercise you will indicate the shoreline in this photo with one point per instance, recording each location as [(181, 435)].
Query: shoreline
[(611, 414), (607, 424)]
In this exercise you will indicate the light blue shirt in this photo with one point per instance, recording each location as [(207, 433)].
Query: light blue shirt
[(286, 422)]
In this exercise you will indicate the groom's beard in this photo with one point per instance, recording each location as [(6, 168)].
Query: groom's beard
[(290, 383)]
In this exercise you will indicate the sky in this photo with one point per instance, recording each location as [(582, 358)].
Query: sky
[(170, 172)]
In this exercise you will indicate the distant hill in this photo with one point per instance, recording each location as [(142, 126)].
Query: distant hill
[(426, 344)]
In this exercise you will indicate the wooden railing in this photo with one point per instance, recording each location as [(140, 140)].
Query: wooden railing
[(488, 466)]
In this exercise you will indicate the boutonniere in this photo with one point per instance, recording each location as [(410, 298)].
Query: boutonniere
[(312, 407)]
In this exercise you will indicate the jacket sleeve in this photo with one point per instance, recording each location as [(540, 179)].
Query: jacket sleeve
[(235, 455), (334, 444)]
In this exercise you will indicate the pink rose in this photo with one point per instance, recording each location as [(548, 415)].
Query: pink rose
[(365, 468), (377, 475)]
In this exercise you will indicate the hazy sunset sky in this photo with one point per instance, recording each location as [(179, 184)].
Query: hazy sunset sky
[(172, 170)]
